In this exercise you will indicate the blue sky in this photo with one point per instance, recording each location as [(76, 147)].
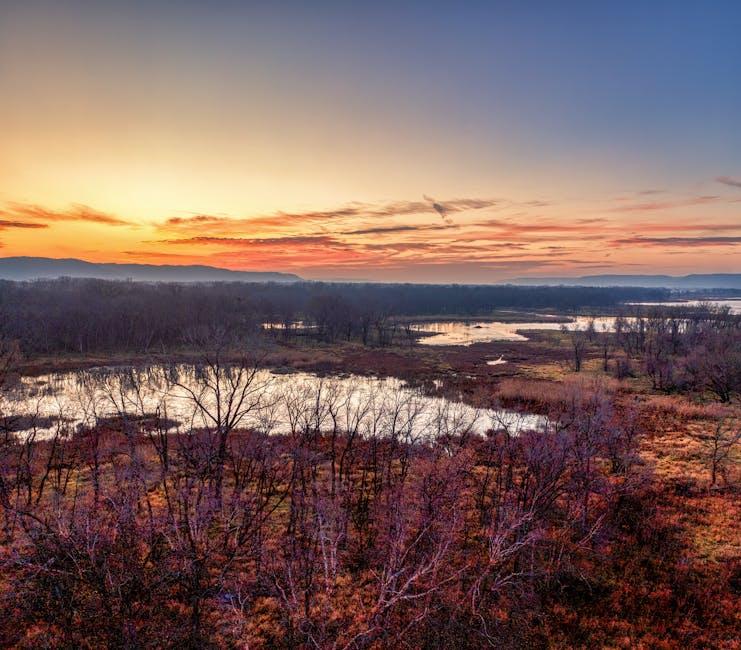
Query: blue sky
[(156, 111)]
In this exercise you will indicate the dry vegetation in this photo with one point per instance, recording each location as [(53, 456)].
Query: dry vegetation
[(615, 525)]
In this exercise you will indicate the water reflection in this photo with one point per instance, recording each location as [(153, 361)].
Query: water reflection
[(733, 304), (185, 396), (470, 332)]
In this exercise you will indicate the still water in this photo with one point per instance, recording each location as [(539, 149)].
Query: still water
[(272, 402), (470, 332), (734, 304)]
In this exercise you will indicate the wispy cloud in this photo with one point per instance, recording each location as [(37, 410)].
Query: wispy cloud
[(590, 229), (438, 207), (76, 212), (296, 240), (5, 224), (546, 226), (391, 236), (380, 230), (727, 180), (666, 205), (349, 211), (678, 241), (199, 218), (157, 254)]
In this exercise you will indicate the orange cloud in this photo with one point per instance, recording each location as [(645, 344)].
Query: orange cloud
[(76, 212), (352, 211), (243, 241), (4, 224), (678, 241), (364, 237)]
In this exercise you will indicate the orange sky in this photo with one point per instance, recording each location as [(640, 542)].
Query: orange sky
[(458, 239), (400, 153)]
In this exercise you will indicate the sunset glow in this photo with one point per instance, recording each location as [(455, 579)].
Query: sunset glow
[(393, 144)]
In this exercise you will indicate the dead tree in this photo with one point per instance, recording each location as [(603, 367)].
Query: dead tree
[(720, 445)]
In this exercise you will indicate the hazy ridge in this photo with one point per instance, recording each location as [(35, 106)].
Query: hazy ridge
[(32, 268), (693, 281)]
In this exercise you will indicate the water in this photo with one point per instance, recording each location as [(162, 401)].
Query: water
[(295, 325), (468, 333), (734, 304), (273, 403)]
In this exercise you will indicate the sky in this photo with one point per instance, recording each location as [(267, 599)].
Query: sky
[(382, 141)]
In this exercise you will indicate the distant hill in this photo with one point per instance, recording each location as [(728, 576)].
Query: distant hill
[(695, 281), (33, 268)]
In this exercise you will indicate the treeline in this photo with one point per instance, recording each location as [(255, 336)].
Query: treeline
[(680, 349), (686, 350), (83, 316)]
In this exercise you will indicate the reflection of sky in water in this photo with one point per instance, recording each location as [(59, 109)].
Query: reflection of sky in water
[(735, 305), (467, 333), (279, 403)]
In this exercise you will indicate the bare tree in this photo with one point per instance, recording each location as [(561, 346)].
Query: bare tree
[(577, 339), (224, 388), (720, 448)]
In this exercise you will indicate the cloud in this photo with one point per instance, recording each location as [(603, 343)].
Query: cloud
[(159, 254), (5, 224), (397, 235), (355, 210), (76, 212), (583, 230), (678, 241), (508, 231), (714, 227), (200, 218), (437, 207), (666, 205), (394, 229), (727, 180), (514, 227), (293, 240)]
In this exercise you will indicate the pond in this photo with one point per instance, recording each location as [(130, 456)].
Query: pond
[(272, 402), (734, 304), (470, 332)]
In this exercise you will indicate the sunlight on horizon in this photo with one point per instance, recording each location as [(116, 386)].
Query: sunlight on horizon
[(417, 143)]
